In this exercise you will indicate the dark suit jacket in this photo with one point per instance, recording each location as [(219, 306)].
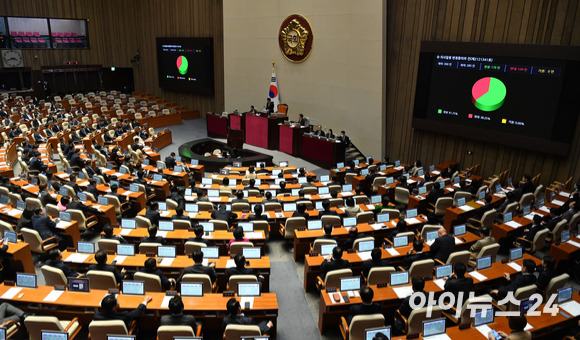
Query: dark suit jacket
[(478, 213), (532, 232), (153, 216), (239, 271), (156, 239), (299, 214), (434, 195), (331, 265), (415, 257), (200, 240), (178, 320), (164, 280), (456, 285), (517, 281), (198, 269), (125, 316), (108, 268), (62, 266), (170, 162), (93, 190), (35, 164), (223, 215), (362, 309), (443, 247), (258, 218), (551, 224), (544, 278), (84, 208), (405, 308), (368, 265), (270, 107), (44, 226), (55, 185), (244, 320), (327, 212), (76, 160)]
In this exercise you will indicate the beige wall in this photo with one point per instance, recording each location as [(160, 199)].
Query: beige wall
[(340, 83)]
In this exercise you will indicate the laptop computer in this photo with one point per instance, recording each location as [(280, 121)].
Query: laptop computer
[(383, 218), (289, 207), (349, 283), (191, 207), (166, 251), (126, 249), (564, 294), (364, 172), (166, 225), (210, 252), (318, 205), (516, 254), (248, 227), (370, 333), (483, 317), (252, 252), (85, 247), (484, 262), (26, 280), (53, 335), (443, 271), (325, 178), (11, 237), (78, 284), (340, 165), (399, 278), (132, 287), (349, 222), (248, 289), (400, 241), (326, 249), (526, 305), (192, 289), (397, 163), (134, 187), (128, 223), (315, 225), (82, 196), (433, 327), (213, 193), (366, 245), (459, 230), (302, 180)]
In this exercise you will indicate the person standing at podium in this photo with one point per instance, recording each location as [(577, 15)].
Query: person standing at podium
[(269, 106), (301, 120)]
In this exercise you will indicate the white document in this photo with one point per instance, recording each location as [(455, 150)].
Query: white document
[(331, 297), (346, 193), (28, 186), (247, 299), (167, 261), (325, 196), (443, 336), (484, 330), (515, 266), (528, 327), (480, 202), (458, 241), (531, 215), (125, 232), (377, 226), (466, 207), (565, 194), (403, 292), (572, 307), (574, 243), (435, 172), (440, 283), (557, 202), (370, 206), (120, 259), (164, 213), (77, 258), (274, 187), (545, 209), (11, 293), (412, 220), (165, 302), (365, 255), (162, 233), (393, 252), (399, 168), (14, 212), (411, 181), (478, 276), (253, 235), (513, 224), (429, 243), (450, 189), (53, 296), (62, 224), (230, 264)]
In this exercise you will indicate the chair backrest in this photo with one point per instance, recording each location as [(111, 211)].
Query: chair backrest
[(393, 213), (79, 216), (220, 225), (540, 240), (365, 217), (292, 224), (380, 275), (35, 324), (527, 199), (378, 181), (459, 256), (33, 239), (33, 203), (442, 204), (236, 247), (142, 222), (417, 316), (317, 244), (205, 206), (148, 247), (521, 294), (330, 219), (428, 228), (574, 222), (423, 268), (402, 196), (235, 279), (100, 279), (461, 194), (240, 206), (489, 250), (203, 278), (360, 323), (538, 192), (114, 201), (465, 313), (152, 281), (512, 207), (5, 226), (556, 283), (53, 276), (359, 240), (100, 329), (271, 206), (487, 219), (361, 199), (181, 224), (168, 332), (108, 245), (262, 226), (70, 190), (348, 177), (236, 332), (557, 232), (333, 277), (191, 247)]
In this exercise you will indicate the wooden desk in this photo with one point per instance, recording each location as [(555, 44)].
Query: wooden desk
[(454, 216), (161, 140), (564, 252), (263, 131), (217, 126), (161, 120), (291, 139), (21, 257), (322, 152)]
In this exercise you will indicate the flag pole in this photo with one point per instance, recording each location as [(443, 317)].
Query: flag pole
[(273, 62)]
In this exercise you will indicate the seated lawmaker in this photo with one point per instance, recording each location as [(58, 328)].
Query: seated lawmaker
[(151, 268), (101, 258), (405, 309), (55, 261), (457, 283), (376, 262), (333, 262), (240, 268), (153, 238), (517, 324), (110, 310), (443, 246), (236, 317), (547, 271), (199, 268), (198, 230), (485, 240), (177, 318), (366, 307), (518, 280)]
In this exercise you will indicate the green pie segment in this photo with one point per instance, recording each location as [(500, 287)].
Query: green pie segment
[(488, 94), (182, 64)]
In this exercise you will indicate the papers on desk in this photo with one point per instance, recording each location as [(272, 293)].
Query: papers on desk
[(411, 181), (500, 195), (412, 220), (515, 266), (353, 293), (308, 197), (331, 297), (190, 198), (11, 293), (378, 226), (166, 262), (545, 209), (442, 336), (125, 232), (247, 299), (346, 193), (165, 302), (392, 251), (205, 186), (325, 196), (457, 185), (126, 193), (97, 206), (399, 168), (484, 330), (419, 197), (215, 199), (62, 224), (77, 258), (574, 243), (440, 283), (13, 212), (120, 259), (403, 292), (480, 202), (557, 202), (450, 189), (230, 264), (273, 177), (162, 233), (435, 172), (458, 241), (531, 215), (429, 243), (279, 215), (466, 207), (478, 276), (176, 173), (274, 187), (565, 194), (365, 255), (513, 224), (370, 206), (164, 213), (253, 234), (572, 307), (28, 186), (118, 174), (53, 296)]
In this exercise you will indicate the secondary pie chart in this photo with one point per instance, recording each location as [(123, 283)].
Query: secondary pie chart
[(488, 94), (182, 64)]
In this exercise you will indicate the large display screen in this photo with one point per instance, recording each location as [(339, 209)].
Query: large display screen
[(186, 64), (519, 95)]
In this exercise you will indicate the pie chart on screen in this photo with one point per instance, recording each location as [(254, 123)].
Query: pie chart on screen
[(182, 64), (488, 94)]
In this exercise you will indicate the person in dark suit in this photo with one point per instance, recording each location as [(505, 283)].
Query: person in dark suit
[(110, 310), (239, 197), (240, 268), (517, 324), (52, 183), (518, 280), (258, 214), (478, 213), (319, 132), (38, 138), (326, 210), (55, 260), (330, 134), (547, 271), (537, 225), (170, 162), (301, 120), (328, 233), (76, 161), (366, 307), (114, 188), (443, 246), (343, 138), (153, 238), (415, 254), (92, 188), (35, 162), (177, 318), (435, 193), (555, 218), (283, 189), (179, 215), (236, 317), (76, 204), (268, 198), (101, 258), (151, 268), (108, 231), (333, 262), (152, 213), (224, 215), (269, 105), (179, 196), (199, 268), (72, 182), (353, 235), (301, 211), (46, 227), (198, 230), (405, 308), (458, 283), (376, 262)]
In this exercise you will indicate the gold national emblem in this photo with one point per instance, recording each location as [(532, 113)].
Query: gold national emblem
[(295, 38)]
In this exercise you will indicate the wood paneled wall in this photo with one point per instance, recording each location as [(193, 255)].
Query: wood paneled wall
[(119, 28), (546, 22)]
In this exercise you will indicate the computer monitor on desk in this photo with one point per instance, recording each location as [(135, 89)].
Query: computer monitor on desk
[(133, 287), (210, 252), (484, 263), (26, 280), (248, 289), (126, 249), (192, 289), (349, 283), (128, 223), (370, 333), (483, 317), (399, 278), (433, 327), (53, 335)]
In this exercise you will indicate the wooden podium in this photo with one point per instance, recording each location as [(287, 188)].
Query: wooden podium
[(236, 139)]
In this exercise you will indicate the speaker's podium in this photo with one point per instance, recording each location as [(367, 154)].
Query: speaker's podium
[(236, 139)]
